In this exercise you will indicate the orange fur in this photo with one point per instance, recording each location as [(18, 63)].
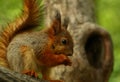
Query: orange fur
[(35, 52), (31, 16)]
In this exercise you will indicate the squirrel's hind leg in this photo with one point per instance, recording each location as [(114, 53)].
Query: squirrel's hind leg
[(30, 67)]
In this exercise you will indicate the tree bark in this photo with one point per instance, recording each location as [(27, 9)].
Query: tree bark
[(7, 75), (92, 60)]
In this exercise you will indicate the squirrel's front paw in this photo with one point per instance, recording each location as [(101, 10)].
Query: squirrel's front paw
[(67, 62)]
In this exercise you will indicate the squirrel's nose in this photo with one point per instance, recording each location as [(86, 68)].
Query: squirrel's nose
[(69, 55)]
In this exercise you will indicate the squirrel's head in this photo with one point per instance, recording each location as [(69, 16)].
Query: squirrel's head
[(62, 42)]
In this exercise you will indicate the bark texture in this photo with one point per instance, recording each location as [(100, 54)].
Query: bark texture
[(92, 60), (11, 76)]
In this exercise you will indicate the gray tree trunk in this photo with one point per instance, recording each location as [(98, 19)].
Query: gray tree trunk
[(92, 60)]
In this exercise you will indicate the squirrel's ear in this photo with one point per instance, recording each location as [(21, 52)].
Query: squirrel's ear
[(65, 22), (56, 24)]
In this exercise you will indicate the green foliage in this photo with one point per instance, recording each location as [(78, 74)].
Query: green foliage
[(108, 16), (9, 10)]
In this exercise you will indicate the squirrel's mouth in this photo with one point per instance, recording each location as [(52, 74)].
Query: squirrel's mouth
[(69, 54)]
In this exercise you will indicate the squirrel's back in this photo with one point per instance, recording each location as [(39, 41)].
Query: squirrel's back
[(34, 40)]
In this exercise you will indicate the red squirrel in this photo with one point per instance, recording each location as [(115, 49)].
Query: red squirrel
[(28, 51)]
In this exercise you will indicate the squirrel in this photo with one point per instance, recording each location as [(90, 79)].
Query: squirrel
[(27, 51)]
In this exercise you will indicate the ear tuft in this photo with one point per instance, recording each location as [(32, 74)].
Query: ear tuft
[(65, 22), (57, 16), (56, 24)]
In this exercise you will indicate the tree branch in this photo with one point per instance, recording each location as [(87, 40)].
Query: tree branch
[(11, 76)]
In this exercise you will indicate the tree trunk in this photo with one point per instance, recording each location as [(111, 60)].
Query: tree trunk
[(92, 60)]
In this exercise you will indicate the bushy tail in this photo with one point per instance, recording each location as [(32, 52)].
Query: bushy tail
[(31, 17)]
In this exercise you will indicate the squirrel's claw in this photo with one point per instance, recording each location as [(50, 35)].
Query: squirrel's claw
[(31, 73)]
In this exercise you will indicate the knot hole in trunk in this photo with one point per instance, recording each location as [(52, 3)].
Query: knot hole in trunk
[(94, 49)]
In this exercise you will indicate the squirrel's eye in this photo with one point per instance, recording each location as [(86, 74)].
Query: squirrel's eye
[(64, 41)]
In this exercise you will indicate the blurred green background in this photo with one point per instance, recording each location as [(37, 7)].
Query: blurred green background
[(107, 15)]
